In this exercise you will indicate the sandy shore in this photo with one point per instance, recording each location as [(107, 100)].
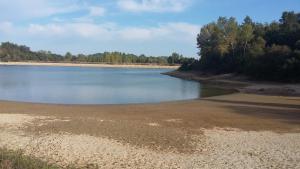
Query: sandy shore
[(240, 83), (229, 131), (87, 65)]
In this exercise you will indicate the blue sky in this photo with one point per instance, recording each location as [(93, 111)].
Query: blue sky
[(151, 27)]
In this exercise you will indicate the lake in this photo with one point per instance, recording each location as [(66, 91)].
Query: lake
[(85, 85)]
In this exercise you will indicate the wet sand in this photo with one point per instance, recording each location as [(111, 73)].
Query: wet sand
[(238, 130), (151, 66)]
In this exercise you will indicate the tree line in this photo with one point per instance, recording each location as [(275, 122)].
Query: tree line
[(17, 53), (269, 51)]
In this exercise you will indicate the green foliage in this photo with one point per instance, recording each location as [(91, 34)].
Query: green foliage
[(14, 52), (17, 160), (175, 58), (188, 64), (297, 45), (266, 51), (245, 36), (68, 57)]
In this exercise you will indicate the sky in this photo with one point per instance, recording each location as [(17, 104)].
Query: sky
[(151, 27)]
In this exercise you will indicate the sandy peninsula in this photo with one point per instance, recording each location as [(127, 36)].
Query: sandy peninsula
[(152, 66), (230, 131)]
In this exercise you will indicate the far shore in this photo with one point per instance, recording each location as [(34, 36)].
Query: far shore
[(104, 65), (240, 83)]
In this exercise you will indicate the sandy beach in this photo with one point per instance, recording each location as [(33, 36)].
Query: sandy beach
[(88, 65), (230, 131)]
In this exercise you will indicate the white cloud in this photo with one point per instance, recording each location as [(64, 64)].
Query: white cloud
[(82, 37), (46, 30), (93, 13), (51, 29), (185, 28), (89, 30), (176, 31), (57, 19), (154, 5), (6, 27), (72, 30), (97, 11), (26, 10), (136, 34), (29, 9)]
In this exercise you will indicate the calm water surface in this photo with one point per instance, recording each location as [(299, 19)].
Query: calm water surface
[(77, 85)]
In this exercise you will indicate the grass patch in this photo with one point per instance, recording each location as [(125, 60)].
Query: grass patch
[(17, 160)]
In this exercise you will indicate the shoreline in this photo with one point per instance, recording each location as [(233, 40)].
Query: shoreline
[(240, 83), (200, 133), (183, 133), (100, 65)]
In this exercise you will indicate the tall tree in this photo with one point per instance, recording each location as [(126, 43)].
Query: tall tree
[(68, 56), (245, 36), (231, 32), (269, 51)]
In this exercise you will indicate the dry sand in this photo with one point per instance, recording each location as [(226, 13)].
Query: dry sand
[(89, 65), (230, 131)]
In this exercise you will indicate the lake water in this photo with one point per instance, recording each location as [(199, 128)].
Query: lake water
[(78, 85)]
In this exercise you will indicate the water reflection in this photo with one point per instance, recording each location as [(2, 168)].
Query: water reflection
[(75, 85)]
